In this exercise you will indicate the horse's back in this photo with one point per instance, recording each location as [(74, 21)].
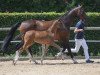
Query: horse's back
[(27, 25), (38, 25), (43, 25)]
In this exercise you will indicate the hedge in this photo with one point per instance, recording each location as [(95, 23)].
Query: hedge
[(9, 19)]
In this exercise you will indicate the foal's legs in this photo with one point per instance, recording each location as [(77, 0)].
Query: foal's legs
[(26, 47), (16, 57), (31, 56), (56, 46), (30, 51), (59, 48), (18, 52), (20, 48), (44, 51)]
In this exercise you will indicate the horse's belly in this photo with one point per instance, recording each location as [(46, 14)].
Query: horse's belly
[(61, 35), (44, 40)]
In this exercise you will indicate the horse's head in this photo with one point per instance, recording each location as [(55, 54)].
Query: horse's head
[(80, 13), (68, 17), (76, 12)]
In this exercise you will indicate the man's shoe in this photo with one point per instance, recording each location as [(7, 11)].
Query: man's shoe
[(89, 61)]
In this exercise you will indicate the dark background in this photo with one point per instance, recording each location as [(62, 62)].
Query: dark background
[(47, 5)]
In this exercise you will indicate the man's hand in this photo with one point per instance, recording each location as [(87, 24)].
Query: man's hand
[(81, 30), (78, 30)]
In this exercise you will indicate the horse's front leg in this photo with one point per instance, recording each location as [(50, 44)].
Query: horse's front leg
[(67, 46), (44, 51), (59, 48), (56, 46)]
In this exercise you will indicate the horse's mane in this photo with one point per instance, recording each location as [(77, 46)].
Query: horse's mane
[(69, 12)]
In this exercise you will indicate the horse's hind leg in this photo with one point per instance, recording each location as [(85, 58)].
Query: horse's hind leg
[(30, 51), (16, 57), (18, 36), (31, 55), (20, 47), (27, 44), (44, 50), (18, 52)]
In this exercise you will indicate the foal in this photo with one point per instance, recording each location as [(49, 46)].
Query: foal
[(45, 38)]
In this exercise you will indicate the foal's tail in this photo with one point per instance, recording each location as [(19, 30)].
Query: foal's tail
[(9, 36)]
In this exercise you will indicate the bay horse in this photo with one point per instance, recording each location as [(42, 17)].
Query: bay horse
[(61, 35)]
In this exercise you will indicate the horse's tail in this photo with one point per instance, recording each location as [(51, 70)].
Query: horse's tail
[(9, 36)]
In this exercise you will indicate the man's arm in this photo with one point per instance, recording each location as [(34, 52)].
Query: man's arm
[(78, 30)]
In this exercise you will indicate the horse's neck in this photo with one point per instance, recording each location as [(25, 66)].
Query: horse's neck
[(53, 27), (68, 19), (70, 16)]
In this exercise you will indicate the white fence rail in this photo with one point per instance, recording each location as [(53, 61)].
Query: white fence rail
[(97, 41), (72, 28)]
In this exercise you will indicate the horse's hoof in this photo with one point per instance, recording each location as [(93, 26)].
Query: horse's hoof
[(62, 58), (75, 62), (30, 61), (14, 62), (36, 63), (58, 57), (55, 57)]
